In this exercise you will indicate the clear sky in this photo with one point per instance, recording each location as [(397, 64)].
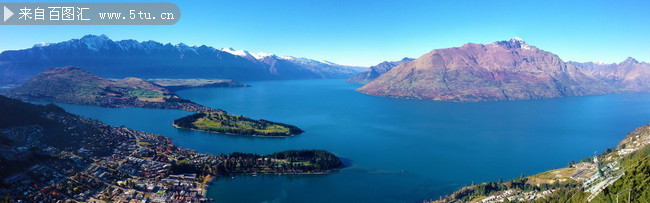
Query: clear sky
[(358, 32)]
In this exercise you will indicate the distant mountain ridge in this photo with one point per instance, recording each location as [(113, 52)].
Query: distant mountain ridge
[(629, 75), (150, 59), (376, 70), (503, 70), (289, 66)]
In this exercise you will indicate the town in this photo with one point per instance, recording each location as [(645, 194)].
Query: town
[(62, 157)]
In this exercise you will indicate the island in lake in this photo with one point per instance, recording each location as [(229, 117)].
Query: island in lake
[(220, 122), (74, 85), (50, 155)]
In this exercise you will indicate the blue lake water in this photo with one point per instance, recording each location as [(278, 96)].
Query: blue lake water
[(400, 150)]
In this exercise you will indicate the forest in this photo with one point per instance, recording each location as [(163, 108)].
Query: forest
[(222, 122)]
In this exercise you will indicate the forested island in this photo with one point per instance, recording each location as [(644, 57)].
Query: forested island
[(221, 122), (49, 155), (74, 85)]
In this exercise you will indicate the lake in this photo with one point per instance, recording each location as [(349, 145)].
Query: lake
[(398, 149)]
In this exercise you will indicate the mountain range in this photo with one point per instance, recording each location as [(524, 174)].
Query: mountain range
[(376, 70), (150, 59), (504, 70), (74, 85), (629, 75)]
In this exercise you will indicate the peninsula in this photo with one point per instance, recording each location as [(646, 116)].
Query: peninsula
[(49, 155), (74, 85)]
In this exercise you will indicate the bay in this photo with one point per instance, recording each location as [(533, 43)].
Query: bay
[(398, 149)]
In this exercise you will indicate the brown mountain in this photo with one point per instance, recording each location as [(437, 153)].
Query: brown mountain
[(629, 75), (76, 86), (504, 70), (73, 85), (376, 70)]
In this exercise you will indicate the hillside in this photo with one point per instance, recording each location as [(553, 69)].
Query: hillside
[(629, 75), (49, 155), (73, 85), (622, 171), (376, 70), (504, 70), (150, 59), (179, 84)]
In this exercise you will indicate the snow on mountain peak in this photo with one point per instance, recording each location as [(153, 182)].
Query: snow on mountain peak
[(261, 55), (287, 57), (242, 53), (326, 62), (517, 39), (94, 42), (42, 44)]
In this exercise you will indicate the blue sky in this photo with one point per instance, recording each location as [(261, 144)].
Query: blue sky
[(368, 32)]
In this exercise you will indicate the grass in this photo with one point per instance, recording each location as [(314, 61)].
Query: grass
[(550, 177), (224, 122), (145, 93), (184, 161)]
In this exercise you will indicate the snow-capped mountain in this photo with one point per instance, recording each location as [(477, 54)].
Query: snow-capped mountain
[(150, 59), (295, 65)]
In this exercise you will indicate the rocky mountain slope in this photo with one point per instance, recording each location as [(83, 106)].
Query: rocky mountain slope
[(504, 70), (150, 59), (375, 71), (73, 85), (629, 75), (289, 67), (76, 86)]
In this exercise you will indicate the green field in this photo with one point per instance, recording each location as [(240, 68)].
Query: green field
[(222, 122), (145, 93)]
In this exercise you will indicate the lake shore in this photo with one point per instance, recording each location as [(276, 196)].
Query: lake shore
[(212, 132)]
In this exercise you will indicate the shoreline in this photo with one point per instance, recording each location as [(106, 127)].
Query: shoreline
[(215, 178), (212, 132)]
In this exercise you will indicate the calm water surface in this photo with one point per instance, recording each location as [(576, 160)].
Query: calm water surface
[(400, 150)]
